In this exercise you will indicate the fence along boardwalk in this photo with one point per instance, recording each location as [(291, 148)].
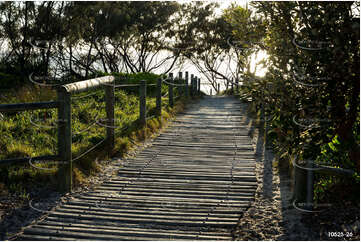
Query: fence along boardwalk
[(193, 182)]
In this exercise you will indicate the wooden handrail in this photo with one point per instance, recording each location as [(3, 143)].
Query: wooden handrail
[(63, 104), (86, 85), (27, 106)]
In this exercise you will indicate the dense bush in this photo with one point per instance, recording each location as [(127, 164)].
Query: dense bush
[(8, 81), (311, 92)]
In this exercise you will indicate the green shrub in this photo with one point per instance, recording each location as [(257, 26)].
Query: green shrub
[(8, 81)]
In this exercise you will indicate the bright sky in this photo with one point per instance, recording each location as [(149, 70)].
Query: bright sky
[(191, 68), (260, 71)]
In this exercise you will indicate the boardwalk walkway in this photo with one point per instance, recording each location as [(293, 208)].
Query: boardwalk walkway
[(193, 182)]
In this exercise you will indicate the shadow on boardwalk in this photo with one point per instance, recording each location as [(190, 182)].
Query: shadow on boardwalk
[(193, 182)]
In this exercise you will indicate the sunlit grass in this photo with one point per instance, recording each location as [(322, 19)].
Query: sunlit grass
[(20, 137)]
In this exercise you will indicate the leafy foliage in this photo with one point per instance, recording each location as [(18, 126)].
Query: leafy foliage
[(311, 93)]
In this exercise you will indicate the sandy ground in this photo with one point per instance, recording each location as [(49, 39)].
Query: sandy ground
[(273, 216)]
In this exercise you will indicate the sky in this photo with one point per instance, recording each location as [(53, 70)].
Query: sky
[(191, 68), (254, 59)]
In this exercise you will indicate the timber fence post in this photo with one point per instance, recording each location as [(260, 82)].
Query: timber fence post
[(218, 89), (195, 85), (142, 102), (64, 137), (186, 85), (159, 97), (199, 86), (192, 83), (237, 87), (109, 105), (300, 184), (180, 76), (170, 90), (310, 183)]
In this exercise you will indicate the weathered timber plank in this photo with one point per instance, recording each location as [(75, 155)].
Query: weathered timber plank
[(144, 233), (193, 182)]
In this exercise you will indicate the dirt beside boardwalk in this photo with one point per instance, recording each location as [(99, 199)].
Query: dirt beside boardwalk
[(15, 211), (273, 217)]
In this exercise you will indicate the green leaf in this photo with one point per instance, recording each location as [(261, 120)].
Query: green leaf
[(331, 145)]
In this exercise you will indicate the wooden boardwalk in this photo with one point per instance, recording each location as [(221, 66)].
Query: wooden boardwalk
[(192, 183)]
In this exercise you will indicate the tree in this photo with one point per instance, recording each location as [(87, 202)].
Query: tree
[(221, 50)]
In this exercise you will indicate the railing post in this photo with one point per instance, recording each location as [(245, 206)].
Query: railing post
[(109, 106), (218, 89), (199, 86), (64, 137), (159, 97), (186, 85), (192, 85), (180, 82), (300, 192), (232, 87), (170, 90), (237, 87), (142, 102), (195, 85), (310, 183)]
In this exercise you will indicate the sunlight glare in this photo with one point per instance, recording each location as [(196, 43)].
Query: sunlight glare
[(256, 67)]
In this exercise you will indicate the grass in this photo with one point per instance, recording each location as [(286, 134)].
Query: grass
[(30, 133)]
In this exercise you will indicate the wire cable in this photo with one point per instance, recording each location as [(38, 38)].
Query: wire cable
[(87, 128), (92, 148), (84, 96), (174, 84), (42, 168), (121, 85), (43, 126)]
